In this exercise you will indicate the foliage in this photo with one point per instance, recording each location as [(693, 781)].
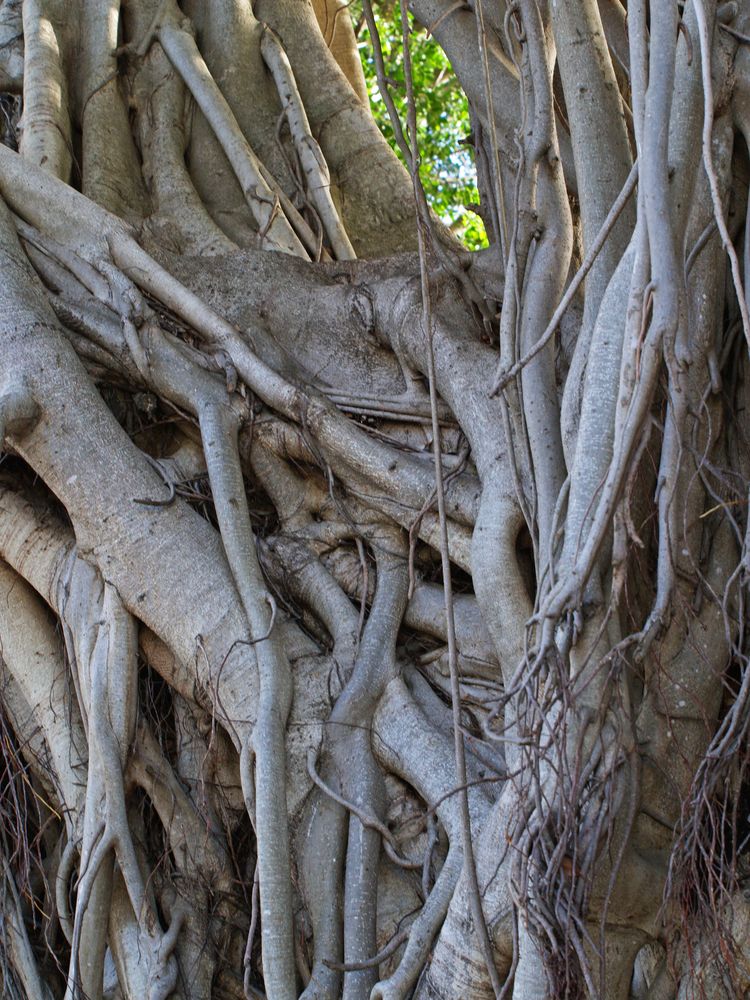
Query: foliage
[(448, 172)]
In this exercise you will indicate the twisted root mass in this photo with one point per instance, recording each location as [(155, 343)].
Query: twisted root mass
[(372, 609)]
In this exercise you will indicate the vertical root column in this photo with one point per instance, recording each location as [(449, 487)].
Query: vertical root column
[(309, 152), (264, 201), (265, 789), (110, 173), (46, 138), (102, 642), (358, 776)]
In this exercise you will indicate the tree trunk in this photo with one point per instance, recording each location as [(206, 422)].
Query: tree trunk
[(372, 609)]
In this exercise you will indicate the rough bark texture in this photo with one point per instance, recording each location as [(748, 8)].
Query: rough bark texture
[(372, 611)]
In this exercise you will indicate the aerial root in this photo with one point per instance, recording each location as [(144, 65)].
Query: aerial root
[(16, 939), (62, 888), (265, 201), (106, 674), (46, 135), (201, 862), (308, 150), (219, 430), (372, 822), (422, 931)]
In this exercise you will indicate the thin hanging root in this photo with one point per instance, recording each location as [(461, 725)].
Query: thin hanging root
[(178, 43), (16, 939), (309, 152), (372, 822), (429, 328), (219, 428)]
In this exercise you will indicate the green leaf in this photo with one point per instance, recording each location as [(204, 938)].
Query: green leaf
[(447, 171)]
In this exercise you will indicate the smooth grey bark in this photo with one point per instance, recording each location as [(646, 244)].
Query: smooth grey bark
[(237, 775)]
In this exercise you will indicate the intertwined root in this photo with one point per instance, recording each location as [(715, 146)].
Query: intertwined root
[(276, 748)]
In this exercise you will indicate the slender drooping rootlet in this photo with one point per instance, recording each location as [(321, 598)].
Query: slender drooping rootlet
[(372, 608)]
